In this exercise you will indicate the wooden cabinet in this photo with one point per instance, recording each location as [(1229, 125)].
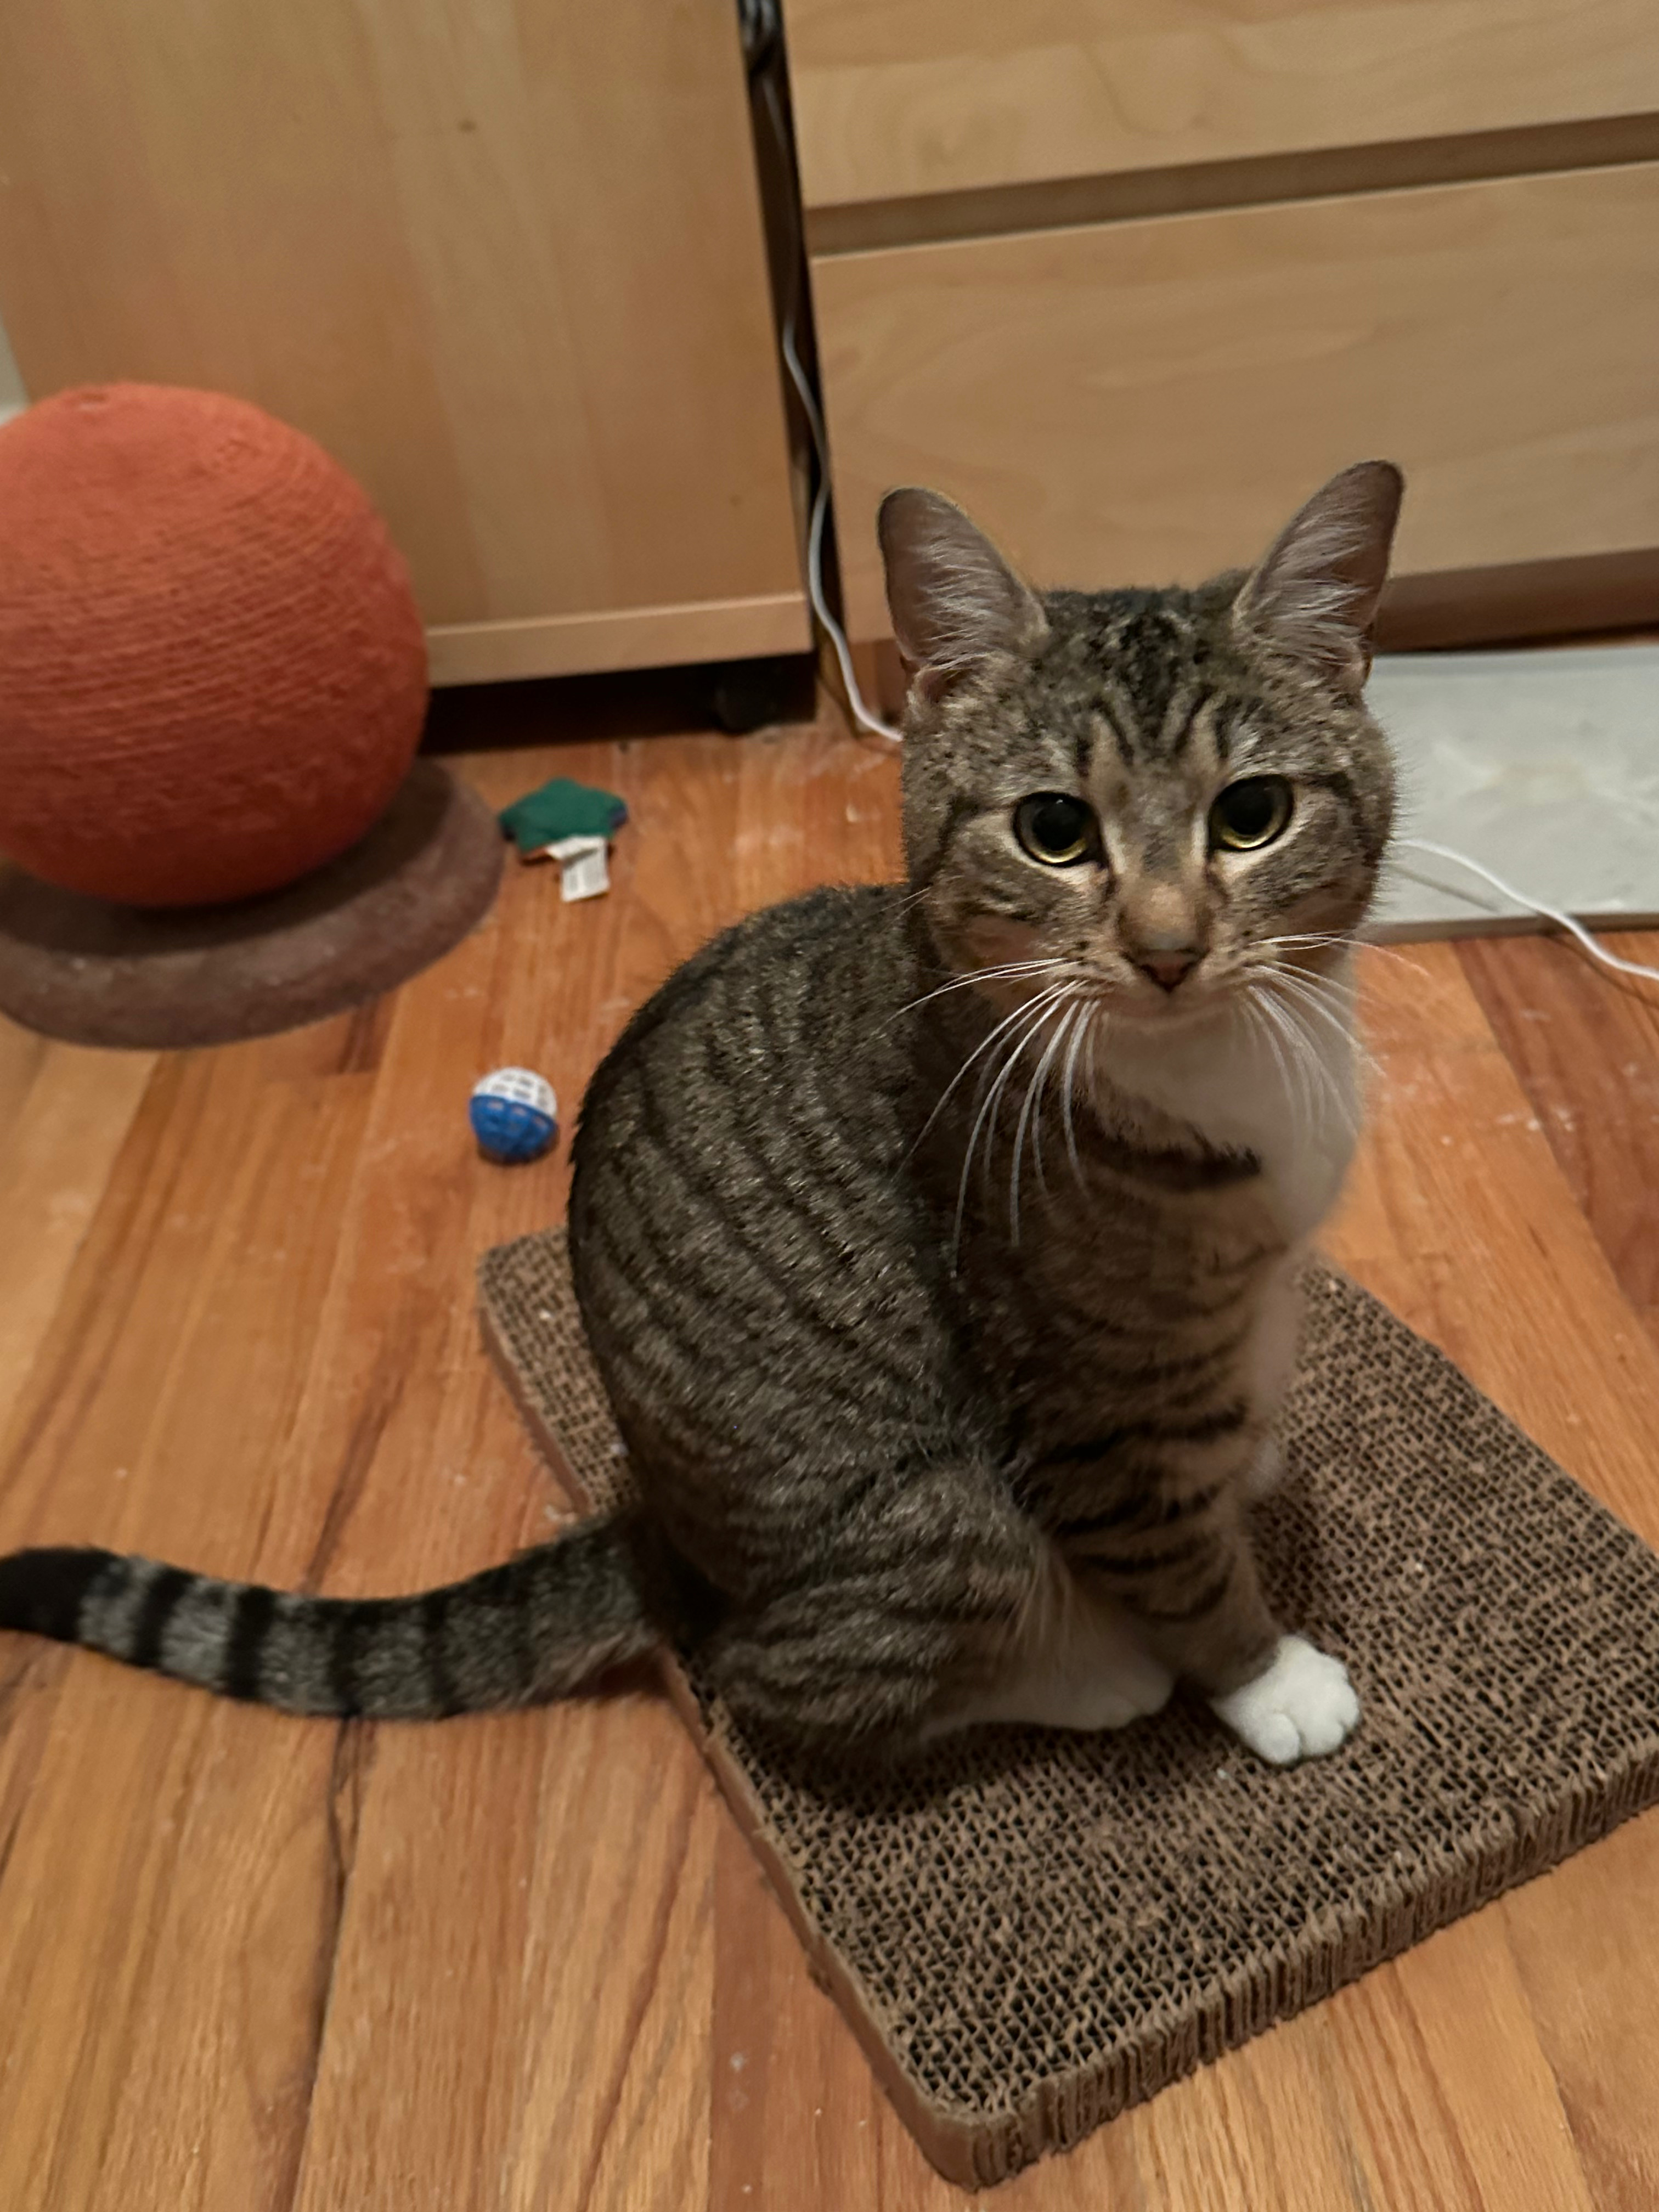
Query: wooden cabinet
[(507, 264), (1130, 279)]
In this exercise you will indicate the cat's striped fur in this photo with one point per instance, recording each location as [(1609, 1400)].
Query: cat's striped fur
[(938, 1242), (538, 1626)]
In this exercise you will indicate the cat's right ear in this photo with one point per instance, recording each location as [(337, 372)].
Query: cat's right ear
[(953, 599)]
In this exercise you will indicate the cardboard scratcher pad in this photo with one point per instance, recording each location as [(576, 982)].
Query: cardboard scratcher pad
[(1033, 1929)]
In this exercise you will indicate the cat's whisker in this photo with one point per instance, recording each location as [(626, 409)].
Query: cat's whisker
[(1315, 1009), (1087, 1016), (1034, 1010), (1256, 1011), (1040, 1011), (1321, 1082), (1331, 1003), (983, 1046), (1320, 941), (1333, 999), (1009, 970), (1338, 941), (1022, 1019), (1298, 1088), (1033, 1102), (1300, 999), (990, 1091), (1277, 965), (1070, 1022), (1344, 1108), (1393, 952), (1336, 980)]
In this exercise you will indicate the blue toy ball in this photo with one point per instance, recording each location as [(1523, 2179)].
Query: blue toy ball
[(514, 1116)]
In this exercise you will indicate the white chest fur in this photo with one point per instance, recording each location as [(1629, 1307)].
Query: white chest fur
[(1283, 1086)]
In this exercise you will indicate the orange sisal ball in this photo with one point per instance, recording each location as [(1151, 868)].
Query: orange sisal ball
[(212, 672)]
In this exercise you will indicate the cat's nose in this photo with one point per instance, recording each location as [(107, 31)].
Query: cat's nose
[(1167, 969)]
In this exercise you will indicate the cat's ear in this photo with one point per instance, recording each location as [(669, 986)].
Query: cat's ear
[(1314, 597), (953, 599)]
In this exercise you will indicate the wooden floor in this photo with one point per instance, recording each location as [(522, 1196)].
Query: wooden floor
[(249, 1963)]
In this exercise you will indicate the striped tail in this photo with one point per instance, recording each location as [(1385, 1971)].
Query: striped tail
[(540, 1626)]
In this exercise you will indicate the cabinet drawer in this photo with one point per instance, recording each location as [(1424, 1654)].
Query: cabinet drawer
[(1144, 402), (895, 98)]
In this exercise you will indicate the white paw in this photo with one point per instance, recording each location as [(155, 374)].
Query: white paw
[(1300, 1707)]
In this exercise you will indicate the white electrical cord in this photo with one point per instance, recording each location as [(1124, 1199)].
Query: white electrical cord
[(798, 376), (832, 628), (1596, 950)]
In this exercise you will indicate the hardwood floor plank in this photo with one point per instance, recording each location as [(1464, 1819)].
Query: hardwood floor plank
[(577, 1800), (796, 2118), (1463, 1216), (1407, 2147), (1585, 1045), (622, 1940), (21, 1052), (1258, 2129), (1459, 1216), (1455, 2062), (185, 1843), (1583, 1946), (64, 1114)]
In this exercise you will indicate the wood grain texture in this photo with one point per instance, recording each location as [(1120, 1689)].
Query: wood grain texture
[(507, 266), (1585, 1044), (64, 1114), (21, 1054), (1148, 402), (253, 1963), (898, 97)]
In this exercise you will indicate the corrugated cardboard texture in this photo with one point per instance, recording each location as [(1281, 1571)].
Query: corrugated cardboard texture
[(1033, 1930)]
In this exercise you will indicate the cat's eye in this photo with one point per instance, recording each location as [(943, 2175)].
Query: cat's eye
[(1250, 813), (1056, 829)]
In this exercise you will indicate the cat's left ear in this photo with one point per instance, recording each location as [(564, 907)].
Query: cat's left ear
[(954, 600), (1314, 597)]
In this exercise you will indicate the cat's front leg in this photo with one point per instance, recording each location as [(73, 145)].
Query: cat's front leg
[(1270, 1362), (1203, 1614)]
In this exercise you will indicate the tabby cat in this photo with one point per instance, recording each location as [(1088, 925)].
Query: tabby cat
[(938, 1243)]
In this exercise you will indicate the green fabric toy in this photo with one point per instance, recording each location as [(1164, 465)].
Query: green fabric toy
[(562, 809)]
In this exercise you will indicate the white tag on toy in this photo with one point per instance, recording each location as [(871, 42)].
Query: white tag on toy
[(582, 870)]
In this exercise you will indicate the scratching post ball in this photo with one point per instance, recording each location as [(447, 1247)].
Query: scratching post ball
[(212, 672)]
